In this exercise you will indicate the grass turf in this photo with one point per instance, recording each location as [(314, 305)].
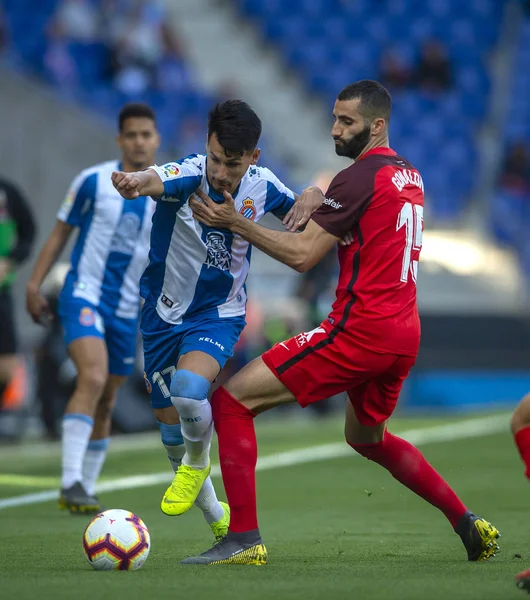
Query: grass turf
[(341, 528)]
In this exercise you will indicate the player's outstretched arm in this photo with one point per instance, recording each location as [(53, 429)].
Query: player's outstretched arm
[(36, 305), (300, 251), (138, 183)]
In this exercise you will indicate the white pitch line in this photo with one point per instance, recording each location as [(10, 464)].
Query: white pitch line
[(469, 428)]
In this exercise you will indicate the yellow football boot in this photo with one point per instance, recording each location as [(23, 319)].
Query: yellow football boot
[(220, 528), (479, 537), (183, 491), (233, 549)]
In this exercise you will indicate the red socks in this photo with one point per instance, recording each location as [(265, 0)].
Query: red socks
[(238, 454), (408, 465), (522, 439)]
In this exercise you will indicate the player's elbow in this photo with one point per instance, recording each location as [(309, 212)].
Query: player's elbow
[(299, 267), (302, 263), (302, 257)]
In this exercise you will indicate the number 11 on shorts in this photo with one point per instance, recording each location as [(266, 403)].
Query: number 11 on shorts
[(411, 217)]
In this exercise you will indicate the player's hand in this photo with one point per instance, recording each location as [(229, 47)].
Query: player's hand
[(347, 240), (212, 214), (6, 266), (37, 306), (127, 184), (309, 200)]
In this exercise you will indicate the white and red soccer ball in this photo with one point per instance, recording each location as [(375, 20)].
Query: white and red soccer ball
[(116, 540)]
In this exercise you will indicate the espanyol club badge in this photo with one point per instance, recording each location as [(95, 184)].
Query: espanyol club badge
[(248, 210), (87, 317), (147, 383)]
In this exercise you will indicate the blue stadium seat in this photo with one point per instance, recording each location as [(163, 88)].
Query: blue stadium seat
[(340, 41), (510, 210), (27, 22), (331, 43)]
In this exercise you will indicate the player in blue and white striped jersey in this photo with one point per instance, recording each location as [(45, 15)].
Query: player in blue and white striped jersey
[(194, 286), (100, 303)]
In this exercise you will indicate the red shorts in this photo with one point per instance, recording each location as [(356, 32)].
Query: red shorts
[(316, 365)]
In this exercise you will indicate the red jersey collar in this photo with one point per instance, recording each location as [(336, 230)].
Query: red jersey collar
[(378, 150)]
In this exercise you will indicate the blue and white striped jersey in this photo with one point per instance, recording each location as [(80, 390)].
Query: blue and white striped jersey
[(194, 269), (111, 249)]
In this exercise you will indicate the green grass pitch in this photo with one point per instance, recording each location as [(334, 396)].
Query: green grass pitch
[(335, 529)]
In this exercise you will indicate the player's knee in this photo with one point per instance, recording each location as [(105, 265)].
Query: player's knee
[(226, 407), (371, 451), (216, 402), (360, 438), (363, 448), (187, 388), (92, 380), (521, 415)]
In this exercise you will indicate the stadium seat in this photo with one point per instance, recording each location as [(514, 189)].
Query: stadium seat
[(28, 24), (347, 45), (510, 210)]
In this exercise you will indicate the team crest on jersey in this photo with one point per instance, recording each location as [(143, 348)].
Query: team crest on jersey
[(217, 255), (171, 171), (248, 210), (87, 317), (147, 383)]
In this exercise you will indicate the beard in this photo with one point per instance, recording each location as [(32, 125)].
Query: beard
[(354, 146)]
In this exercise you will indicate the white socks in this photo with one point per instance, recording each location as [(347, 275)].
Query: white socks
[(209, 504), (189, 396), (94, 458), (189, 393), (197, 429), (77, 429)]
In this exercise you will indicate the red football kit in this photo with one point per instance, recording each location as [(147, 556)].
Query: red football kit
[(366, 347), (370, 340)]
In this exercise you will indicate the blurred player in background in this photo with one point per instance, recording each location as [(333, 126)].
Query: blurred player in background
[(99, 303), (17, 234), (367, 345), (520, 425), (194, 288)]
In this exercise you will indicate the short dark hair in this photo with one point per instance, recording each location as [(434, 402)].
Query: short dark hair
[(236, 125), (135, 109), (376, 101)]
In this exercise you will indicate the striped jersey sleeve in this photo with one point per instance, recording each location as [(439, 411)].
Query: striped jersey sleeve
[(279, 199), (79, 199), (180, 178)]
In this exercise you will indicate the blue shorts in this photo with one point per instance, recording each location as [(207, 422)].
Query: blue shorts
[(164, 343), (81, 319)]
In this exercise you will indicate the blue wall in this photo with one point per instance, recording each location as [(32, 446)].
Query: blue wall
[(461, 390)]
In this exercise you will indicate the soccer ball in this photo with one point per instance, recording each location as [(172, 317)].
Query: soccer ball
[(116, 540)]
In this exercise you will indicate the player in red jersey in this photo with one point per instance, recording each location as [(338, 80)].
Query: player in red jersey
[(366, 346), (520, 424)]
